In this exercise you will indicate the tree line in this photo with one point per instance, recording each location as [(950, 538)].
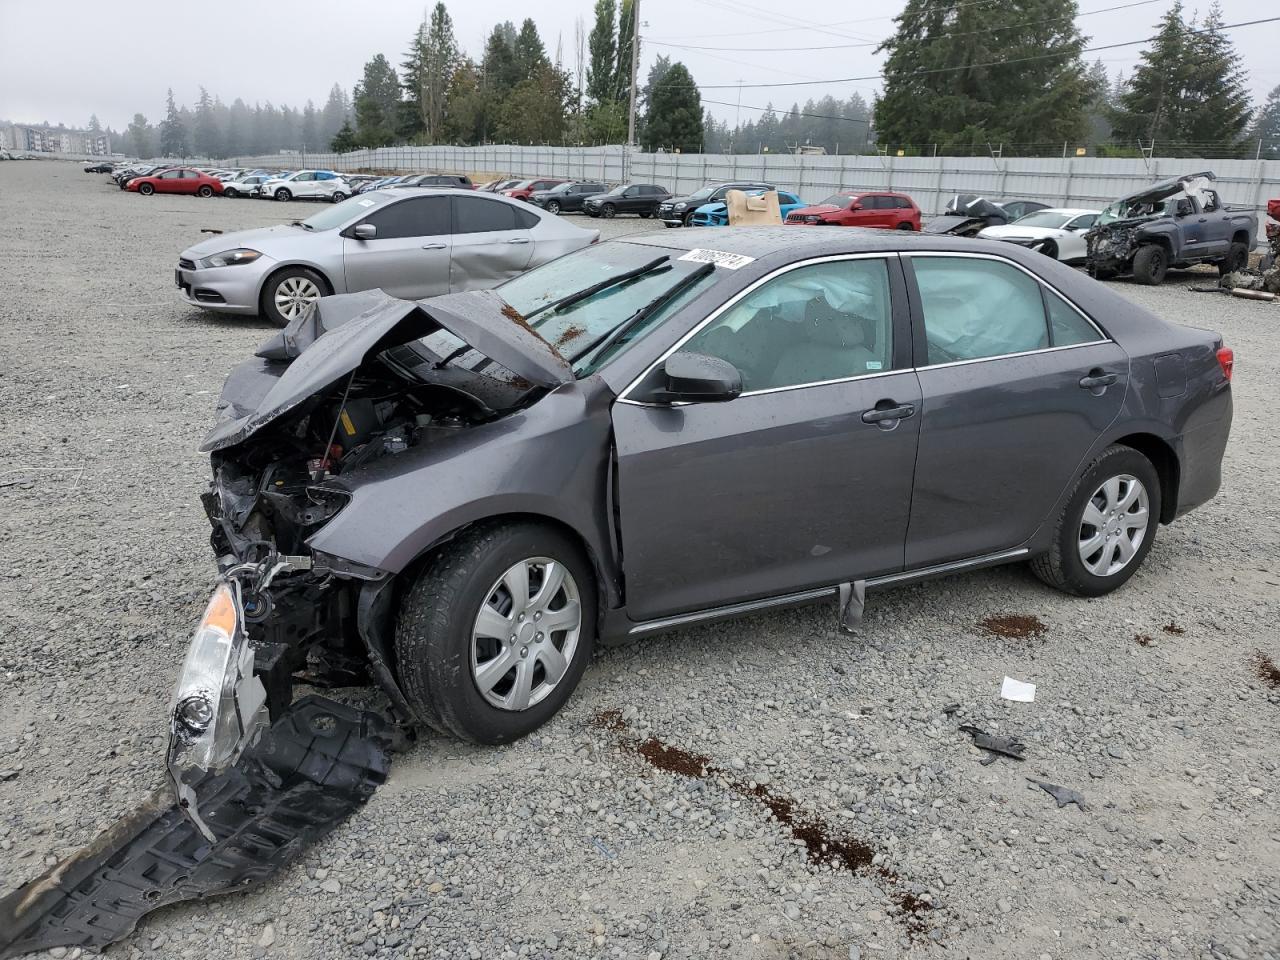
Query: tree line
[(960, 76)]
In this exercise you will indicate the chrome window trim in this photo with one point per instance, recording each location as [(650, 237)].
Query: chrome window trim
[(1102, 334), (1008, 356), (624, 396)]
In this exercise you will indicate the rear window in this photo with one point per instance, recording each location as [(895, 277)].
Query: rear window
[(481, 215)]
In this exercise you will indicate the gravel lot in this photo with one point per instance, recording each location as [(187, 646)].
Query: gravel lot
[(572, 843)]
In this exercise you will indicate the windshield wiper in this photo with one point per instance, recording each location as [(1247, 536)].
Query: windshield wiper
[(604, 342), (299, 223), (565, 302)]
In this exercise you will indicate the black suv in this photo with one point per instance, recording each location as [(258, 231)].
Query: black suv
[(679, 210), (641, 198), (565, 197)]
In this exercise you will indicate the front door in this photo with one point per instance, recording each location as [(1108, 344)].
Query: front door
[(1017, 386), (491, 242), (802, 481), (409, 256)]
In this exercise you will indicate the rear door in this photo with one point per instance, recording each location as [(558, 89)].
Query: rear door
[(802, 481), (491, 242), (410, 255), (1216, 229), (1017, 385)]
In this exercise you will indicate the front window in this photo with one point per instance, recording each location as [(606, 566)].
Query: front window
[(617, 191), (839, 200), (576, 329), (1043, 218), (703, 194), (342, 213)]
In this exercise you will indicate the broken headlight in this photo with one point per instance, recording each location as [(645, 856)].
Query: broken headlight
[(229, 258), (219, 706)]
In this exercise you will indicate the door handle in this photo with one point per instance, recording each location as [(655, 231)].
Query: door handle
[(883, 412), (519, 240), (1096, 378), (433, 246)]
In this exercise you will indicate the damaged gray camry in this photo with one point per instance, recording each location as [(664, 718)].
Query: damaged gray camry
[(455, 498)]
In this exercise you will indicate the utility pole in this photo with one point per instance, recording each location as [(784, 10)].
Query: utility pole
[(635, 72)]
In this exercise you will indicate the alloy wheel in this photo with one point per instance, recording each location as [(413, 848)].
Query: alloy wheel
[(553, 206), (294, 295), (526, 634), (1114, 525)]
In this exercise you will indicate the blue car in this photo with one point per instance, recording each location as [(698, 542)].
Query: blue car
[(717, 214)]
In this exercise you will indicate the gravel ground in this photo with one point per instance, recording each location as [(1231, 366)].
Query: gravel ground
[(587, 839)]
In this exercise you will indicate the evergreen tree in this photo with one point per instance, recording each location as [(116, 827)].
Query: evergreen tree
[(530, 53), (602, 69), (344, 140), (626, 34), (499, 73), (173, 132), (427, 73), (377, 101), (674, 118), (1099, 109), (462, 123), (95, 126), (960, 75), (309, 131), (238, 128), (141, 137), (1266, 126), (208, 137), (657, 70), (333, 115)]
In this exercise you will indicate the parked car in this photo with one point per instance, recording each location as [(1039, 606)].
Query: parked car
[(886, 211), (497, 186), (246, 186), (122, 177), (176, 180), (1055, 233), (967, 215), (517, 473), (524, 188), (409, 242), (1175, 223), (379, 183), (101, 167), (717, 214), (307, 185), (566, 197), (1017, 209), (678, 211), (642, 199)]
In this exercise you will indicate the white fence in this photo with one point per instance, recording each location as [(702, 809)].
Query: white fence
[(1068, 181)]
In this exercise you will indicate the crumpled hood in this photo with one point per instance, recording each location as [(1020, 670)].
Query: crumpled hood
[(328, 342), (259, 239)]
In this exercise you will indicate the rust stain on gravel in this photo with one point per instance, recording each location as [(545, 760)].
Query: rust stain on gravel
[(1266, 670), (823, 845), (1014, 626), (1173, 629)]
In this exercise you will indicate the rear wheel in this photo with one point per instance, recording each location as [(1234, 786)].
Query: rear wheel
[(1237, 259), (146, 189), (1150, 264), (646, 214), (905, 225), (290, 293), (1107, 526), (496, 632), (283, 194), (338, 196), (205, 191)]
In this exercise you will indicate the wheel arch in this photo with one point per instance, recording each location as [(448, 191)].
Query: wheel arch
[(280, 267), (1168, 469), (1241, 236)]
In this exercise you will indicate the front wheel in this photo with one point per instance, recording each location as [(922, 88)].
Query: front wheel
[(1107, 526), (1050, 249), (688, 219), (496, 632), (283, 194), (1150, 264), (146, 189), (1237, 259), (553, 206), (289, 294), (609, 211), (231, 192)]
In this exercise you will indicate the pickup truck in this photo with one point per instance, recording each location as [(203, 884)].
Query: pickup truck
[(1172, 224)]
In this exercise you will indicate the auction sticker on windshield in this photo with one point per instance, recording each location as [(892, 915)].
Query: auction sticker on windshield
[(730, 261)]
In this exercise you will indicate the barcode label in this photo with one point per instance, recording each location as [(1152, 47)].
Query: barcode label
[(730, 261)]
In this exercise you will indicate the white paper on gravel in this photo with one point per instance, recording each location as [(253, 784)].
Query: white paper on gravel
[(1017, 690)]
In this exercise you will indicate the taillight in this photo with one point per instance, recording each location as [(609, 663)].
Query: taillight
[(1226, 360)]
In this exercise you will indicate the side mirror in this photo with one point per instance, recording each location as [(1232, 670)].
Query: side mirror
[(856, 205), (697, 378), (364, 231)]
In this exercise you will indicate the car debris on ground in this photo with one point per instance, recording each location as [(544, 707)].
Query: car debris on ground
[(1064, 795), (994, 744)]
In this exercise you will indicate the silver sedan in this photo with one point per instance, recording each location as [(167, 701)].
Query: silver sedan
[(410, 242)]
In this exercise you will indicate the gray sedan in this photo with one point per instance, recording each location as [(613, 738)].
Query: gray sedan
[(469, 491), (409, 243)]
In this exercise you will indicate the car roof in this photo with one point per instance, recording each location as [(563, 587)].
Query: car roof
[(1066, 211), (799, 243)]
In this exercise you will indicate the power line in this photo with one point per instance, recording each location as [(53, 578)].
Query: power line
[(971, 66), (785, 21), (946, 36)]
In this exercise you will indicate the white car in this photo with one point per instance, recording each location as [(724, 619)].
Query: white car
[(307, 185), (1055, 232)]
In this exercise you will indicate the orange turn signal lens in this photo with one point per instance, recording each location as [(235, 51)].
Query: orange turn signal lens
[(221, 612)]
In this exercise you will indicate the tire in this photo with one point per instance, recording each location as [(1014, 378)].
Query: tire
[(905, 225), (338, 196), (1237, 259), (283, 194), (646, 214), (231, 192), (553, 207), (1064, 566), (1150, 264), (205, 191), (1050, 250), (667, 224), (608, 211), (146, 189), (688, 219), (440, 658), (282, 300)]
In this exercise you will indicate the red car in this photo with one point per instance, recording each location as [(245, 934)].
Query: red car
[(522, 189), (887, 211), (177, 180)]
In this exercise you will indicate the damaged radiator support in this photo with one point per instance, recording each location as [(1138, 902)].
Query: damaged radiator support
[(319, 762)]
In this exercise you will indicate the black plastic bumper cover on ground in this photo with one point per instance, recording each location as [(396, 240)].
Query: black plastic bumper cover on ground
[(319, 762)]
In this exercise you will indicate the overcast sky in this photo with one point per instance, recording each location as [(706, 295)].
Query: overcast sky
[(66, 59)]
